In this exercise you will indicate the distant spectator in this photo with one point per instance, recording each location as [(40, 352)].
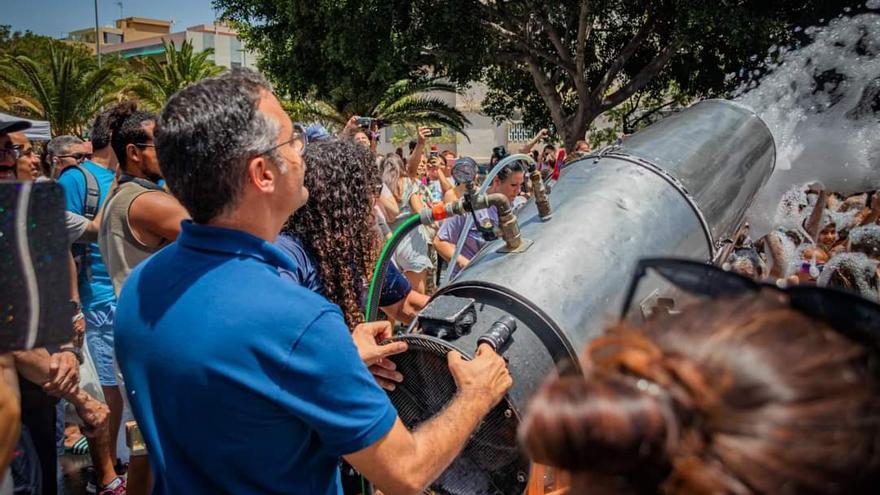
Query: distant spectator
[(508, 182)]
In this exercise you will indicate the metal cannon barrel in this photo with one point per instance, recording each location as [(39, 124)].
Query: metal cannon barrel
[(677, 188)]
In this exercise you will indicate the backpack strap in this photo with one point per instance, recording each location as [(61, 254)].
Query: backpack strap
[(93, 193)]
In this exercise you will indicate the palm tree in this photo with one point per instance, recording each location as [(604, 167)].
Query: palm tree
[(159, 78), (404, 102), (67, 89)]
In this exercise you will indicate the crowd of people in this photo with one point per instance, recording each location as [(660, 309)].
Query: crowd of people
[(821, 238), (220, 257)]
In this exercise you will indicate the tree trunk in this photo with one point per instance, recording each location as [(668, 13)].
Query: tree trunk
[(576, 128)]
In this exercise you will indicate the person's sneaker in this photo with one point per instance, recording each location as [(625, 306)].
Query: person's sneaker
[(116, 487), (91, 481)]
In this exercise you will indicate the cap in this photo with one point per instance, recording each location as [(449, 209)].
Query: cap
[(7, 126)]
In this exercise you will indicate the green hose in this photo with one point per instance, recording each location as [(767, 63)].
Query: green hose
[(379, 273), (371, 310)]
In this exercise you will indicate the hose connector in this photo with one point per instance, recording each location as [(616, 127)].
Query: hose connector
[(508, 223), (542, 199)]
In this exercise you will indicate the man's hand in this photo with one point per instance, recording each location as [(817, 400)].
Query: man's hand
[(485, 378), (542, 134), (94, 414), (366, 338), (64, 374)]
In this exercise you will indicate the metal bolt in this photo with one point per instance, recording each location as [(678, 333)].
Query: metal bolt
[(508, 413), (520, 477)]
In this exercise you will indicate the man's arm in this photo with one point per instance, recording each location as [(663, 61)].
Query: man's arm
[(527, 148), (57, 373), (407, 462), (10, 411), (154, 216)]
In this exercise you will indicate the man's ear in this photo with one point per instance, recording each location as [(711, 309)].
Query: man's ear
[(260, 174), (131, 154)]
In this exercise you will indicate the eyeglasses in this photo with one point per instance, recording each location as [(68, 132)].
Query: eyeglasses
[(77, 156), (853, 316), (145, 145), (298, 136), (18, 151)]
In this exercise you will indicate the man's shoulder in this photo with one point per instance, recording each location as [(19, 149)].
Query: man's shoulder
[(175, 262)]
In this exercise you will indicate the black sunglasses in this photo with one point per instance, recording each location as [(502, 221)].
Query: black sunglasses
[(853, 316)]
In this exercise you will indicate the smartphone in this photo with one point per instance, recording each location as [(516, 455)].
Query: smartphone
[(435, 132), (364, 121)]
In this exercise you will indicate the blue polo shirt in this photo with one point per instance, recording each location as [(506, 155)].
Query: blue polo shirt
[(241, 381), (95, 286)]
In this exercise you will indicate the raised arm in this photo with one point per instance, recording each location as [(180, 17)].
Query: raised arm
[(813, 224), (415, 158), (527, 148)]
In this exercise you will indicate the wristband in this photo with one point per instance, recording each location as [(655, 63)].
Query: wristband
[(75, 351)]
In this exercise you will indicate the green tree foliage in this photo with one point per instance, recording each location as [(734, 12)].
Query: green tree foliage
[(560, 62), (157, 78), (61, 84), (405, 102), (346, 53)]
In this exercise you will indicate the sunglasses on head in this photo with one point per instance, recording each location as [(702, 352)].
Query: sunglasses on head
[(853, 316)]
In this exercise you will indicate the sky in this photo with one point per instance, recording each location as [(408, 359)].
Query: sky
[(58, 17)]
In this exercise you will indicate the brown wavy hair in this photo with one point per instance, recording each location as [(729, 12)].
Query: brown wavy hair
[(734, 397), (336, 225)]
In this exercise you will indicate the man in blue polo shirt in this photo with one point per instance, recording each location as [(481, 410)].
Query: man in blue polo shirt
[(242, 381)]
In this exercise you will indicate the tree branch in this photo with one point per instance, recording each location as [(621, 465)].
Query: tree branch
[(585, 28), (548, 92), (509, 31), (642, 78), (625, 54)]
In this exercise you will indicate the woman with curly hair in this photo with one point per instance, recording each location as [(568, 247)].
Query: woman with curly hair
[(334, 239)]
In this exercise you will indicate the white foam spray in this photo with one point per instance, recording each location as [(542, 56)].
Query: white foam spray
[(821, 101)]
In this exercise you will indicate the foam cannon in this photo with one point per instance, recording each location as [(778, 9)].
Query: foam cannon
[(677, 188)]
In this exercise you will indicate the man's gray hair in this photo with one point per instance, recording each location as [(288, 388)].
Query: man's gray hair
[(62, 145), (205, 135)]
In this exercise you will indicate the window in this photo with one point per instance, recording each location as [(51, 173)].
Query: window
[(516, 131), (236, 65), (208, 40), (112, 38)]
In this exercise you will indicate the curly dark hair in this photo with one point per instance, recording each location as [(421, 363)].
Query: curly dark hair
[(336, 225)]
